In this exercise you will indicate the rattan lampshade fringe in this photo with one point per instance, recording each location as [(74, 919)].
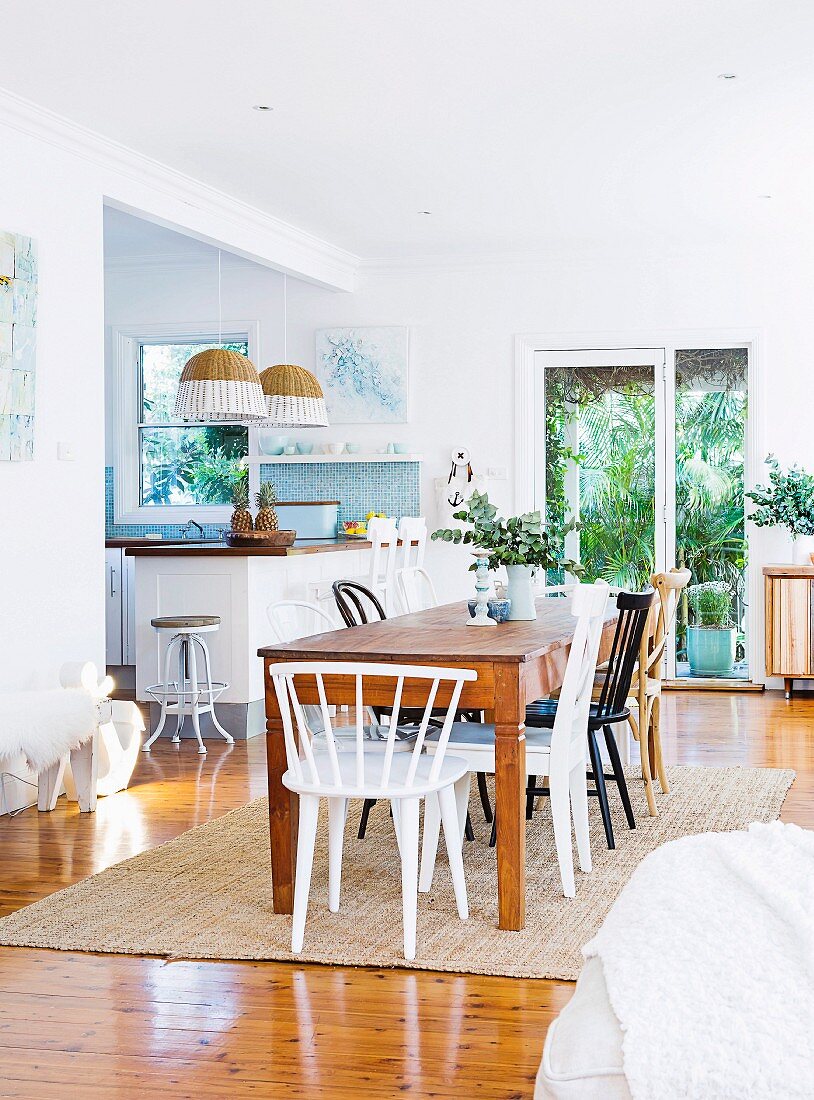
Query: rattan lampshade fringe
[(294, 397), (219, 384), (296, 412)]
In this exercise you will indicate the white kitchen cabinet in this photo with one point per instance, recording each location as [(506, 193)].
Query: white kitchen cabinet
[(129, 610), (113, 607), (120, 609)]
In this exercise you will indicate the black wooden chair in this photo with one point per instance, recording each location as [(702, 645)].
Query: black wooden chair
[(358, 606), (609, 709)]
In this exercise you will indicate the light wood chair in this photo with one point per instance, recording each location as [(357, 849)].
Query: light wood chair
[(317, 772), (558, 752), (647, 680)]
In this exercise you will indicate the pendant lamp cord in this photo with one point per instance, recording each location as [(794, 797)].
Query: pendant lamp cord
[(220, 311), (285, 318)]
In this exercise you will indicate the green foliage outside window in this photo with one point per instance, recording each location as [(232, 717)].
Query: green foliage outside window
[(186, 465)]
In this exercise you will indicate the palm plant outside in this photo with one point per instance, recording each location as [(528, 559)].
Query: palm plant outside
[(617, 485)]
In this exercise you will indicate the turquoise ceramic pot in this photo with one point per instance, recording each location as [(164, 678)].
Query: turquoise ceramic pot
[(520, 593), (711, 649)]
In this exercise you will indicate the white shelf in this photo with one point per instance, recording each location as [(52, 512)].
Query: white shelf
[(262, 460)]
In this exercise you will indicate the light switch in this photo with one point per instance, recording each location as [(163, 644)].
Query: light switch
[(66, 452)]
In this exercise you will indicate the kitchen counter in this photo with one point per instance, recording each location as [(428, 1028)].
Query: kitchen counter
[(155, 548), (237, 584)]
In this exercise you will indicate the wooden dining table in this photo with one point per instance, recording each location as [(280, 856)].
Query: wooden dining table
[(516, 662)]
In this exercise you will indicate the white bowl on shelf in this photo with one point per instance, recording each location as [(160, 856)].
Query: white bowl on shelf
[(270, 443)]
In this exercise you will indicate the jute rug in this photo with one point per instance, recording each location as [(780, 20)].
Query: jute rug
[(207, 894)]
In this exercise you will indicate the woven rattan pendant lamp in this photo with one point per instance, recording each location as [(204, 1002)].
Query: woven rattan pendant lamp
[(219, 384), (294, 397)]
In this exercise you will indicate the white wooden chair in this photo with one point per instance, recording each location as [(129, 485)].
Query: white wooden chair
[(413, 542), (559, 753), (415, 590), (383, 533), (317, 771), (291, 619)]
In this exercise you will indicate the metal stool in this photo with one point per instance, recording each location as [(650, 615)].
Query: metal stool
[(183, 696)]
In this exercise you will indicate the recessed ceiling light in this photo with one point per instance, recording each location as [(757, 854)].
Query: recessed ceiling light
[(261, 107), (727, 76)]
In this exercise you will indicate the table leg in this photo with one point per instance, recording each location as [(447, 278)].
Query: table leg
[(283, 808), (510, 797)]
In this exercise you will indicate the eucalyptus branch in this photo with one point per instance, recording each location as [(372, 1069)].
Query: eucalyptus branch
[(519, 540), (787, 501)]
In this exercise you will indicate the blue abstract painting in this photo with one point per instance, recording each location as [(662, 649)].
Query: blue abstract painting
[(18, 319), (363, 372)]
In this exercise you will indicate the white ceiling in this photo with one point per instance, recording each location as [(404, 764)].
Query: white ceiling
[(521, 125)]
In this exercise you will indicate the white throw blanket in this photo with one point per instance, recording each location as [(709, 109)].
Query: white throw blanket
[(45, 725), (708, 955)]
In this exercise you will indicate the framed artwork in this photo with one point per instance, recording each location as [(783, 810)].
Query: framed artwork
[(363, 373), (18, 345)]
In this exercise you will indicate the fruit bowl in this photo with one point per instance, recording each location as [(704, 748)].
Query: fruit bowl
[(354, 529), (260, 538)]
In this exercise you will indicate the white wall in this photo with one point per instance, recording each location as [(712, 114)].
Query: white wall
[(187, 293), (51, 512), (463, 321)]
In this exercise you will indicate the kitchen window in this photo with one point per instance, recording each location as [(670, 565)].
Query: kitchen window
[(168, 470)]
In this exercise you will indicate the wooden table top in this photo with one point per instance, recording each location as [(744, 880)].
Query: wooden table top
[(441, 633)]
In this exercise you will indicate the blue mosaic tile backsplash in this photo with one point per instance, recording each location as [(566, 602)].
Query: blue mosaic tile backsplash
[(361, 487)]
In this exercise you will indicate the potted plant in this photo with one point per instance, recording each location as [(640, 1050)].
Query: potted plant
[(521, 544), (787, 501), (711, 638)]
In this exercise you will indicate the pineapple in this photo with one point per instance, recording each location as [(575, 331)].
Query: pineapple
[(265, 500), (241, 517)]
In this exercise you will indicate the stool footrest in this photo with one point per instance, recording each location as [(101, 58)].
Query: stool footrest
[(174, 691)]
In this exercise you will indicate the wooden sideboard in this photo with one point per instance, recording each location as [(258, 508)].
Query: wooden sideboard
[(789, 627)]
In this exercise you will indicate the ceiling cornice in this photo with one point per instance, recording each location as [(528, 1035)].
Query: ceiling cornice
[(284, 246)]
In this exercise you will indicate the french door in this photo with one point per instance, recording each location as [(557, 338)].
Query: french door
[(646, 448)]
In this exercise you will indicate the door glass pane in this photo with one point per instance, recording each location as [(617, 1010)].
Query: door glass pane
[(711, 410), (600, 467), (190, 465)]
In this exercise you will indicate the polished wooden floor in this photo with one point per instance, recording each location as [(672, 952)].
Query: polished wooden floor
[(112, 1026)]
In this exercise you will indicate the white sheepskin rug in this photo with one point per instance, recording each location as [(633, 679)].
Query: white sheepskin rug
[(45, 725), (708, 956)]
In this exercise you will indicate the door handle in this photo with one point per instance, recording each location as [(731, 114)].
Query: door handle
[(112, 581)]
